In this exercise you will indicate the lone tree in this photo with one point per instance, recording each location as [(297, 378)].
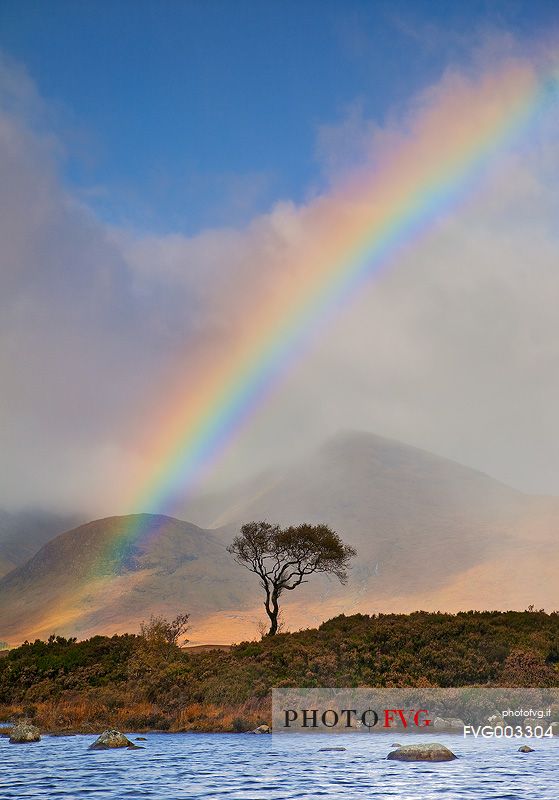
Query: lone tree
[(283, 558)]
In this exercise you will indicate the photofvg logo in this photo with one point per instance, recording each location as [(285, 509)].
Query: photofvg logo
[(348, 710), (414, 710), (350, 718)]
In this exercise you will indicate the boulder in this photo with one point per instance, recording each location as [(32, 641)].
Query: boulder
[(23, 733), (525, 749), (430, 751), (111, 739), (141, 739)]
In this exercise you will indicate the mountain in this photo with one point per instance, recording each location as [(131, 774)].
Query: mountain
[(22, 533), (430, 534), (87, 580), (399, 505)]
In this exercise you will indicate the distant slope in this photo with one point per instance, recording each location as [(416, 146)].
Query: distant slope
[(413, 516), (79, 583), (24, 532), (430, 534)]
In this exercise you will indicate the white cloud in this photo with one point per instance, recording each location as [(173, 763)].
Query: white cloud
[(455, 348)]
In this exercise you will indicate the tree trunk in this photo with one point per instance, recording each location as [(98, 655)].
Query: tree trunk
[(272, 609)]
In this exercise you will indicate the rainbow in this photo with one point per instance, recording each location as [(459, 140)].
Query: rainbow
[(351, 236)]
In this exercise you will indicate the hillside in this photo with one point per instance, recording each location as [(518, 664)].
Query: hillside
[(430, 534), (137, 683), (80, 582)]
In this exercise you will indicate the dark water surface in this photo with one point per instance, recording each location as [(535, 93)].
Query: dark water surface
[(174, 766)]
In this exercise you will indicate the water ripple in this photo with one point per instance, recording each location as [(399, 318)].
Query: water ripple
[(238, 767)]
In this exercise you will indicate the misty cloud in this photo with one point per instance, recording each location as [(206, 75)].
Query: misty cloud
[(455, 348)]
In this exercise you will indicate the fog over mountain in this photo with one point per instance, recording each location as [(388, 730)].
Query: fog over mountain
[(453, 348), (430, 533), (23, 533)]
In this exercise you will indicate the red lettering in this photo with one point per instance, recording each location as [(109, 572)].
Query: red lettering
[(389, 717), (426, 722)]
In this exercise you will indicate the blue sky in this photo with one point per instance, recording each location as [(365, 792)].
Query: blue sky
[(177, 116)]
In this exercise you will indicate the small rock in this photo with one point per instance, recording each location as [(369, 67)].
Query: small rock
[(431, 751), (111, 739), (328, 749), (141, 739), (525, 749), (24, 733), (261, 729)]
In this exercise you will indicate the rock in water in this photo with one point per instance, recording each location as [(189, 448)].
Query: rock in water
[(525, 749), (261, 729), (111, 739), (24, 732), (430, 751)]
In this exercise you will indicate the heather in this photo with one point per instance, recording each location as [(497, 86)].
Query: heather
[(143, 682)]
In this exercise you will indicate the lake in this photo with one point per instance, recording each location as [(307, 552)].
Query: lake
[(246, 767)]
